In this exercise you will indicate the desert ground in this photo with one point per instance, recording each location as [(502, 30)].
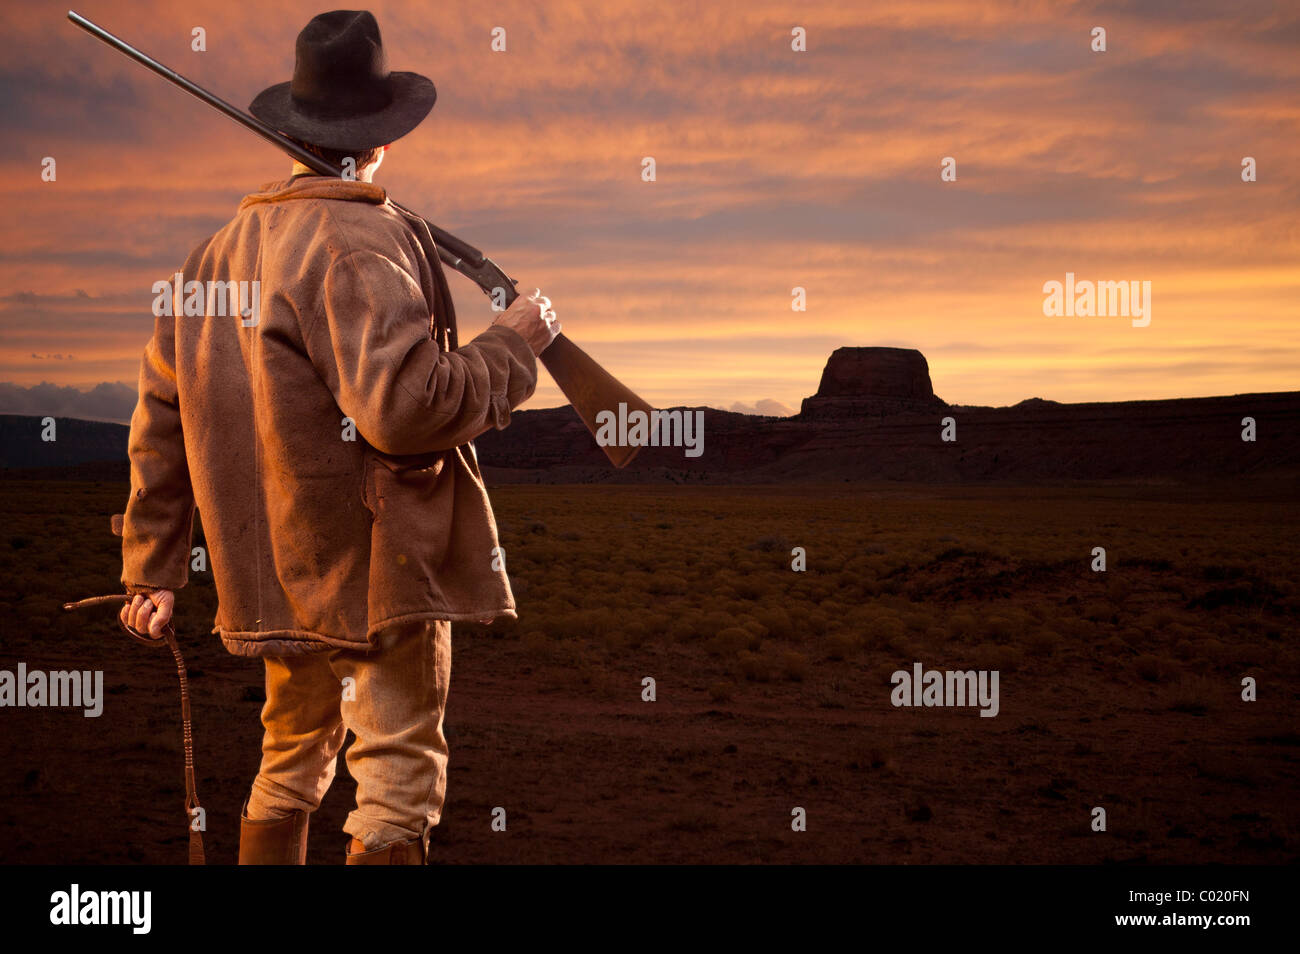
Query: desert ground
[(1118, 689)]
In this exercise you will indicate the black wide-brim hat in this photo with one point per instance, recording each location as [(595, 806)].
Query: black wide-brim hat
[(342, 95)]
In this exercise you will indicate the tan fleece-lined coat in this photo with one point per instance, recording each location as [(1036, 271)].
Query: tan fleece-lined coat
[(316, 542)]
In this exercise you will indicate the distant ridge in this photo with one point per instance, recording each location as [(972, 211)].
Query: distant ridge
[(874, 417), (76, 442), (1188, 438)]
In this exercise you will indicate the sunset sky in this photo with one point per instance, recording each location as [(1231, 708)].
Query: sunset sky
[(775, 169)]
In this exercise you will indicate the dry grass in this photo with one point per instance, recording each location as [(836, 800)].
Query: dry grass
[(694, 586)]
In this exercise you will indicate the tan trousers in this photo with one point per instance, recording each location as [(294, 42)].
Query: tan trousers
[(392, 700)]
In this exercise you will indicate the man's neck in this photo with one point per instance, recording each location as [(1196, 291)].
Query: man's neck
[(299, 169)]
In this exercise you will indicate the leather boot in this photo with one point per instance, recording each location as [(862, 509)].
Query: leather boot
[(411, 852), (275, 841)]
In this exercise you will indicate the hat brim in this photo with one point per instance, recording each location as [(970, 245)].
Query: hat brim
[(413, 96)]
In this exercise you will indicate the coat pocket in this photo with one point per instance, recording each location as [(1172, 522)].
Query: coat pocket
[(411, 500), (400, 481)]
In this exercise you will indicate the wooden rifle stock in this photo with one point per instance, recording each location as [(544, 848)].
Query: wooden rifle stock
[(585, 384), (591, 389)]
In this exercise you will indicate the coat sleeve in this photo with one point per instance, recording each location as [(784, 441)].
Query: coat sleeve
[(371, 344), (159, 520)]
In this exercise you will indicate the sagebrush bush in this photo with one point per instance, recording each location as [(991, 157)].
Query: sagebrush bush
[(730, 641), (794, 666)]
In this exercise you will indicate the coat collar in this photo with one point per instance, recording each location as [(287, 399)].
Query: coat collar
[(317, 187)]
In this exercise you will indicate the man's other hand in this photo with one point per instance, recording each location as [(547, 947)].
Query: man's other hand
[(532, 317), (149, 613)]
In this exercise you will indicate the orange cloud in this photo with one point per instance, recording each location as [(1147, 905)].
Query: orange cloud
[(775, 169)]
